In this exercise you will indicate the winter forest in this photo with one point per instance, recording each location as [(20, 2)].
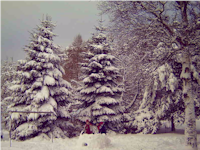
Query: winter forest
[(134, 74)]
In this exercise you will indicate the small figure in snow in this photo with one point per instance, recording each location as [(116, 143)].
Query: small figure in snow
[(87, 128), (101, 127)]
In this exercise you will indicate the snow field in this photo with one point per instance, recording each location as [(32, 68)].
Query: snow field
[(166, 141), (94, 141), (111, 141)]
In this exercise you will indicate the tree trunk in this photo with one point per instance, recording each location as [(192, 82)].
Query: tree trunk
[(172, 124), (190, 120)]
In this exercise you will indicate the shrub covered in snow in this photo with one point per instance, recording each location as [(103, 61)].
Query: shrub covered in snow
[(146, 122), (71, 127), (164, 96)]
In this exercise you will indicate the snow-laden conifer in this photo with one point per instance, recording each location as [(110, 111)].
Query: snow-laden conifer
[(8, 74), (40, 87), (101, 91)]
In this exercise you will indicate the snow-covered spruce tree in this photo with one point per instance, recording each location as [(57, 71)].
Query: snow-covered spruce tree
[(40, 87), (101, 91), (8, 74)]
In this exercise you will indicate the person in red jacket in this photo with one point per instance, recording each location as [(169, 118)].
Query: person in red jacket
[(99, 125), (101, 128), (87, 128)]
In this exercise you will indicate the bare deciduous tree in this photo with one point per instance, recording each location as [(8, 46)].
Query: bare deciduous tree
[(174, 24)]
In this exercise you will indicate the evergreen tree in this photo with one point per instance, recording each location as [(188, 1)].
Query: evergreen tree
[(101, 91), (72, 65), (40, 87), (8, 74)]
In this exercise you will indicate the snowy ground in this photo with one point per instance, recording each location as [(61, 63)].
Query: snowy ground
[(161, 141)]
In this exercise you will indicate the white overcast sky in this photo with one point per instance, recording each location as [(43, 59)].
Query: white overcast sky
[(20, 17)]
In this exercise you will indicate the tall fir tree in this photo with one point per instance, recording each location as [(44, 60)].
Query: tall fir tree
[(8, 74), (72, 65), (40, 87), (101, 91)]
